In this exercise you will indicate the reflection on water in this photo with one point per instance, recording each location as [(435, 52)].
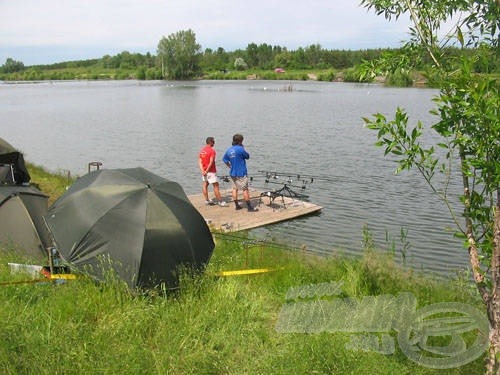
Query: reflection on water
[(315, 129)]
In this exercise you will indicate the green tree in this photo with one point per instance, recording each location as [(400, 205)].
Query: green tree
[(265, 56), (180, 55), (468, 130), (12, 66), (262, 56), (282, 59), (215, 60), (252, 55), (314, 54), (299, 60)]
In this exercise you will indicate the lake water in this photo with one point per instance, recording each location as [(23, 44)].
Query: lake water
[(316, 129)]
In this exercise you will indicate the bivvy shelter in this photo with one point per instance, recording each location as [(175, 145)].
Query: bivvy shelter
[(12, 169), (21, 220), (6, 147), (22, 207), (133, 222)]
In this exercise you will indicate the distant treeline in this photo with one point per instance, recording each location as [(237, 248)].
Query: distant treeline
[(215, 64)]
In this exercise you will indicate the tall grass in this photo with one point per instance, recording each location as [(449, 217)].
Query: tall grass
[(212, 325)]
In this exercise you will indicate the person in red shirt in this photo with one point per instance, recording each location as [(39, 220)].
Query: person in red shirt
[(206, 162)]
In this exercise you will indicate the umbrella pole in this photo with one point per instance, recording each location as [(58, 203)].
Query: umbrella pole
[(51, 250), (51, 260)]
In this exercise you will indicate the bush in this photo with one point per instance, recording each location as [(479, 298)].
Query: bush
[(153, 74), (141, 73), (399, 78), (327, 76)]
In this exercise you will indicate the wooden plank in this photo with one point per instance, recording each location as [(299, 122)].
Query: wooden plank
[(228, 219)]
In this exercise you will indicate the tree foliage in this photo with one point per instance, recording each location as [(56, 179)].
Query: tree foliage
[(468, 128), (12, 66), (218, 62), (180, 55), (126, 64)]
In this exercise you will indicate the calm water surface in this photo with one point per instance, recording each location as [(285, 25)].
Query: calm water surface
[(315, 129)]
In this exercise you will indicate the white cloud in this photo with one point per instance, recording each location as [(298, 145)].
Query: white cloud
[(51, 26)]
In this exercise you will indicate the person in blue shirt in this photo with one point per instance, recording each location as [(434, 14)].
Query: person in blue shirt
[(235, 158)]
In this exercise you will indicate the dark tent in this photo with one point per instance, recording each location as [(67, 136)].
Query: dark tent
[(6, 147), (21, 220), (142, 223), (13, 169)]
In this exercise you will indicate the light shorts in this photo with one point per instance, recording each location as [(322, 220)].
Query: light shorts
[(240, 182), (210, 177)]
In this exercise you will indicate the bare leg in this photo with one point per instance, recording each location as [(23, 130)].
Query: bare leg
[(204, 189), (217, 192), (246, 195)]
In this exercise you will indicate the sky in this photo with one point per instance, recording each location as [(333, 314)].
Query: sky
[(45, 32)]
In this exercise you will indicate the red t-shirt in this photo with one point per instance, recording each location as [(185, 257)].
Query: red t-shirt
[(206, 154)]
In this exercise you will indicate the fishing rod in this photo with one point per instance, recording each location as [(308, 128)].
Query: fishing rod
[(298, 176), (270, 177), (285, 180), (251, 179), (275, 175)]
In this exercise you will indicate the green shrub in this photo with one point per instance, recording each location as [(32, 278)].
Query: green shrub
[(327, 76), (399, 78), (140, 73)]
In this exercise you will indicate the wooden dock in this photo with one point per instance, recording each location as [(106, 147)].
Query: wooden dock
[(272, 209)]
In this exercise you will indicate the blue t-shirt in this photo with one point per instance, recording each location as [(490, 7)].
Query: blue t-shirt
[(236, 155)]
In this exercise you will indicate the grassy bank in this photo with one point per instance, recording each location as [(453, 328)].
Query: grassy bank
[(214, 325), (54, 185)]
